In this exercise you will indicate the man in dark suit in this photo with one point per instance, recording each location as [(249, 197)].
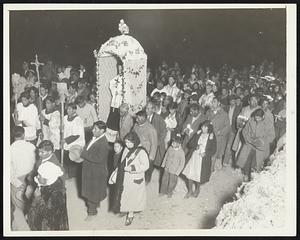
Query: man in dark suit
[(233, 111), (160, 126), (94, 170)]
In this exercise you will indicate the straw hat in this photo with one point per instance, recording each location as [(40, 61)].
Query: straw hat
[(74, 153)]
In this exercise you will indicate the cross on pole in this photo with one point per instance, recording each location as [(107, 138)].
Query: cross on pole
[(37, 64)]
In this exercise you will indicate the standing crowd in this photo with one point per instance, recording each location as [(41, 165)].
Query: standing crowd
[(196, 121)]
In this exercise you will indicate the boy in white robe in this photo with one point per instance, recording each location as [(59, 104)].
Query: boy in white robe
[(27, 116)]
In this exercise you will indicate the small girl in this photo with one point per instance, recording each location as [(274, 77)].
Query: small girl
[(173, 165), (171, 122)]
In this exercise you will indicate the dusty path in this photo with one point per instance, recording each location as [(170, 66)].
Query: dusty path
[(161, 212)]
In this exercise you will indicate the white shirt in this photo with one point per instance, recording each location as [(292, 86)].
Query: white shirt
[(94, 139), (52, 131), (22, 160), (87, 114), (29, 115), (206, 99), (81, 72), (171, 91), (74, 127)]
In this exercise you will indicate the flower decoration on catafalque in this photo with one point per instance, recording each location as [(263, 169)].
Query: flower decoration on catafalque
[(123, 28)]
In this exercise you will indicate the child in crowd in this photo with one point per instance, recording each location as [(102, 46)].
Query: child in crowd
[(72, 93), (173, 165), (171, 122), (118, 149)]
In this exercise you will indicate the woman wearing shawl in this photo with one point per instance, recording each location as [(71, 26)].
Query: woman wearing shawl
[(129, 177), (201, 148), (48, 210)]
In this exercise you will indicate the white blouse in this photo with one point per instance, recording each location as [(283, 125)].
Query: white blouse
[(74, 127)]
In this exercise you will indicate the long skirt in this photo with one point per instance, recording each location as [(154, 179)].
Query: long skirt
[(192, 169), (49, 210), (133, 198)]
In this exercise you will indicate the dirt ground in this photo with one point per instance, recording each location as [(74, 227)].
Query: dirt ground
[(161, 212)]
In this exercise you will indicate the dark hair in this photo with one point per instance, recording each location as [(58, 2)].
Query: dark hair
[(25, 94), (156, 94), (195, 106), (133, 137), (19, 131), (153, 103), (46, 145), (45, 86), (217, 97), (163, 94), (73, 85), (142, 113), (100, 125), (50, 98), (72, 105), (170, 98), (173, 105), (36, 91), (258, 113), (79, 99), (263, 99), (209, 126)]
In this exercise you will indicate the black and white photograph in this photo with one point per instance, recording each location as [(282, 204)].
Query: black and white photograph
[(149, 119)]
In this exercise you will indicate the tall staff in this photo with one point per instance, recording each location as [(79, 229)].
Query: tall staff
[(62, 98), (37, 64)]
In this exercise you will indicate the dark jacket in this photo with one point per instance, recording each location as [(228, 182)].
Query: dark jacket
[(160, 126), (94, 170), (210, 150)]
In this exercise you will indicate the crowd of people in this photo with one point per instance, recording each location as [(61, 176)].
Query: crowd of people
[(196, 121)]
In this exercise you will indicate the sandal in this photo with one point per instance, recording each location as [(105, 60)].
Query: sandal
[(128, 221), (122, 214)]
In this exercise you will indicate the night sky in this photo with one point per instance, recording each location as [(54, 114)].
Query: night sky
[(207, 37)]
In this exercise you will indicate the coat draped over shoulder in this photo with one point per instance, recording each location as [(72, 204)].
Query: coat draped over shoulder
[(257, 136)]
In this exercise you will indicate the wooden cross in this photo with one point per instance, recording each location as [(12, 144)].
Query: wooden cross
[(37, 64)]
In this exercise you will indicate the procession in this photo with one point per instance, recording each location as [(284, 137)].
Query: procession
[(117, 129)]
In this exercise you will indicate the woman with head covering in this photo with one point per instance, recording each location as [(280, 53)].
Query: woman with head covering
[(48, 210), (257, 136), (129, 176), (201, 147)]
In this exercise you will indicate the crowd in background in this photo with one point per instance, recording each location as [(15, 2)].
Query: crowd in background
[(196, 121)]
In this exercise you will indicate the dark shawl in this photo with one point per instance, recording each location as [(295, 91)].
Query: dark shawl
[(49, 210), (210, 150)]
